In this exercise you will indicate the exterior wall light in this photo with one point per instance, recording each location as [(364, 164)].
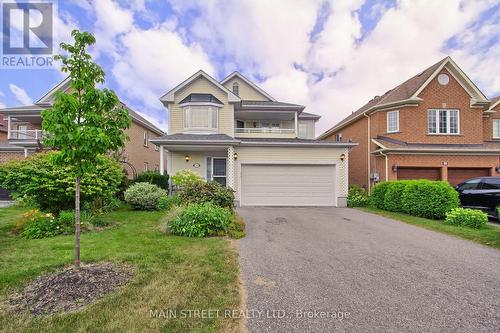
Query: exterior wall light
[(395, 168), (342, 157), (235, 156), (188, 158), (497, 169)]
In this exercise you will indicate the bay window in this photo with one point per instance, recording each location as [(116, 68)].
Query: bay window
[(443, 121), (200, 117)]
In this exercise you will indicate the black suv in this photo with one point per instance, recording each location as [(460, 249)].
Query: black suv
[(481, 193)]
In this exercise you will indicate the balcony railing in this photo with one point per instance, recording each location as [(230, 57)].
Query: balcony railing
[(26, 134), (266, 130)]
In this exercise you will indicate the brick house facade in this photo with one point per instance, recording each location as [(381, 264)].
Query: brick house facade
[(437, 125), (24, 134)]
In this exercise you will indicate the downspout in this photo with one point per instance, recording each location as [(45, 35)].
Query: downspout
[(386, 166), (368, 154)]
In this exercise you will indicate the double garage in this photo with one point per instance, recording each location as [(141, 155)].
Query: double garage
[(455, 175), (279, 176)]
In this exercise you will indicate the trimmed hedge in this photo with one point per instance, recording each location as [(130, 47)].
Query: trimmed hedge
[(377, 197), (429, 199), (394, 195), (471, 218), (423, 198), (144, 196), (153, 177)]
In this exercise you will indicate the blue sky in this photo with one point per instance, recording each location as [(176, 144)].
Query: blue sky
[(332, 56)]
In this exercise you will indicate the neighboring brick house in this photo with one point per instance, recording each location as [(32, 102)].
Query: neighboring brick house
[(437, 125), (23, 134)]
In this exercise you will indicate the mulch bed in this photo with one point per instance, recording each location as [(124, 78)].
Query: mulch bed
[(70, 289)]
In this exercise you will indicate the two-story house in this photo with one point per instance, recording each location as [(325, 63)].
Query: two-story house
[(235, 133), (436, 125), (23, 135)]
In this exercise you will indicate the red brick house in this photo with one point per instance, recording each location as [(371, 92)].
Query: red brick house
[(436, 125)]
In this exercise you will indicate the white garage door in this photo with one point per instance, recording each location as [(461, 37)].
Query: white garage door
[(287, 185)]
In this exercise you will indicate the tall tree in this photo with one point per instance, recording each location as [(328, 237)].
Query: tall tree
[(85, 121)]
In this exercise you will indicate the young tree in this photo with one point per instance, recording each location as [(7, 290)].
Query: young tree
[(85, 121)]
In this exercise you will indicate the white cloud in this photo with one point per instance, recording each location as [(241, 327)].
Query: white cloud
[(271, 40), (2, 105), (20, 94)]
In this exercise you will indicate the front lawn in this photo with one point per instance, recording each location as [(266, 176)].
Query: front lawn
[(488, 235), (171, 273)]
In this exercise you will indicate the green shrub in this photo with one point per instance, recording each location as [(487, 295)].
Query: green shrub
[(167, 201), (185, 177), (67, 221), (153, 177), (393, 195), (169, 216), (200, 220), (429, 199), (236, 228), (357, 197), (200, 192), (52, 186), (377, 196), (466, 217), (35, 224), (144, 196)]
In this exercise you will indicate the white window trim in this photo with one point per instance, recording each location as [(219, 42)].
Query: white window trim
[(397, 121), (448, 123), (187, 119), (146, 139), (212, 167), (493, 128)]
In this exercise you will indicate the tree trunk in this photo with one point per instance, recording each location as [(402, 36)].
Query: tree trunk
[(77, 222)]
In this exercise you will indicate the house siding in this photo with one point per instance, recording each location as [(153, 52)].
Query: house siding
[(201, 85), (246, 92)]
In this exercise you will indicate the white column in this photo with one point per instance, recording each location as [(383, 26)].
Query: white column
[(230, 167), (162, 161), (8, 127), (25, 152), (296, 125)]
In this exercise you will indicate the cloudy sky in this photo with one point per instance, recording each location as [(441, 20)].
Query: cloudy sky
[(332, 56)]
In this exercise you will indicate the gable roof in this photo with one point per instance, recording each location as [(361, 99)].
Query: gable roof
[(169, 96), (49, 97), (494, 102), (247, 81), (408, 91)]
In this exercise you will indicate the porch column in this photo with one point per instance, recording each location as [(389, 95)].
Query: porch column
[(25, 152), (162, 161), (230, 167), (8, 127), (296, 125)]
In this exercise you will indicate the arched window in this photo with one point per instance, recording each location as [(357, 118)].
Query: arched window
[(236, 89)]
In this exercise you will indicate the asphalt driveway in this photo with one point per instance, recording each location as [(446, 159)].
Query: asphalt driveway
[(339, 269)]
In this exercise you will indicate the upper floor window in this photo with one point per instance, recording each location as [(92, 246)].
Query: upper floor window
[(496, 128), (338, 137), (200, 117), (236, 89), (392, 121), (145, 138), (443, 121)]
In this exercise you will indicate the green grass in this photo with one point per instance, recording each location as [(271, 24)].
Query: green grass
[(170, 273), (489, 235)]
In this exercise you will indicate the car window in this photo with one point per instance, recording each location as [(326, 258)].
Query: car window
[(470, 184), (491, 184)]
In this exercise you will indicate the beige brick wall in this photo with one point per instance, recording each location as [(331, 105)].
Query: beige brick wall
[(136, 153)]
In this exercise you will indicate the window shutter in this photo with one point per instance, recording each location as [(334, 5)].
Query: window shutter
[(209, 168)]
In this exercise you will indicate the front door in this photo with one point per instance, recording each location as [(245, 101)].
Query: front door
[(218, 169)]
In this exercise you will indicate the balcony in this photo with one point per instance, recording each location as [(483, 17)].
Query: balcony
[(265, 132), (32, 135)]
